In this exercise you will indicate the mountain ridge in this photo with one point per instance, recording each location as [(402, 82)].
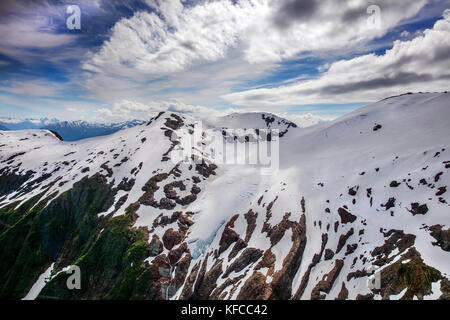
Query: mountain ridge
[(361, 197)]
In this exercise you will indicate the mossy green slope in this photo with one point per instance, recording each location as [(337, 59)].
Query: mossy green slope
[(68, 231)]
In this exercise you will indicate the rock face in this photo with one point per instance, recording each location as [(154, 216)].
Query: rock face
[(346, 217), (417, 208), (248, 256), (171, 238), (255, 288), (442, 237), (327, 281)]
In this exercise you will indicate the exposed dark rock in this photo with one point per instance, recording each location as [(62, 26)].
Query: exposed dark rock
[(389, 204), (171, 238), (408, 272), (228, 235), (357, 274), (206, 169), (238, 246), (442, 236), (247, 257), (267, 261), (441, 191), (167, 204), (175, 254), (255, 288), (208, 283), (156, 246), (327, 281), (396, 239), (394, 184), (121, 201), (368, 296), (377, 127), (329, 254), (188, 289), (346, 217), (174, 122), (282, 279), (343, 294), (195, 189), (351, 248), (343, 239), (437, 176), (250, 216), (188, 199), (417, 208), (353, 191), (126, 184)]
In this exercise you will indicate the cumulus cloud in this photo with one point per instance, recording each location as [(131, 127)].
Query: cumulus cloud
[(173, 40), (177, 36), (39, 88), (130, 110), (22, 37), (308, 119), (421, 64)]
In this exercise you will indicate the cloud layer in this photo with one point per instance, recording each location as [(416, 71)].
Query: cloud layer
[(421, 64), (138, 57), (177, 36)]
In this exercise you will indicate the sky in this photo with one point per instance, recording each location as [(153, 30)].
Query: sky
[(307, 60)]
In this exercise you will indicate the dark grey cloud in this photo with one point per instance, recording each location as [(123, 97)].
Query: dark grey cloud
[(294, 11), (389, 80), (354, 14), (12, 8)]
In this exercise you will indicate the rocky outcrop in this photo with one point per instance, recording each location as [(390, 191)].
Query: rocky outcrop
[(343, 294), (327, 281), (396, 239), (410, 273), (442, 237), (417, 208), (343, 239), (255, 288), (282, 279), (156, 246), (346, 217), (248, 256), (172, 238), (229, 236)]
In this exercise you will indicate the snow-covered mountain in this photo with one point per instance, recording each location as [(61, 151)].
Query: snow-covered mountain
[(356, 208), (69, 130)]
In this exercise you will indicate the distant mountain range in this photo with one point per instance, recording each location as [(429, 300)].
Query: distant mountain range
[(69, 130)]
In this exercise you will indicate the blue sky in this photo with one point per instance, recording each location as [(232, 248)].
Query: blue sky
[(304, 59)]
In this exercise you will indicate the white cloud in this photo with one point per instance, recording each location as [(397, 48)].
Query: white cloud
[(149, 44), (421, 64), (30, 33), (30, 88), (304, 120), (130, 110), (179, 36)]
